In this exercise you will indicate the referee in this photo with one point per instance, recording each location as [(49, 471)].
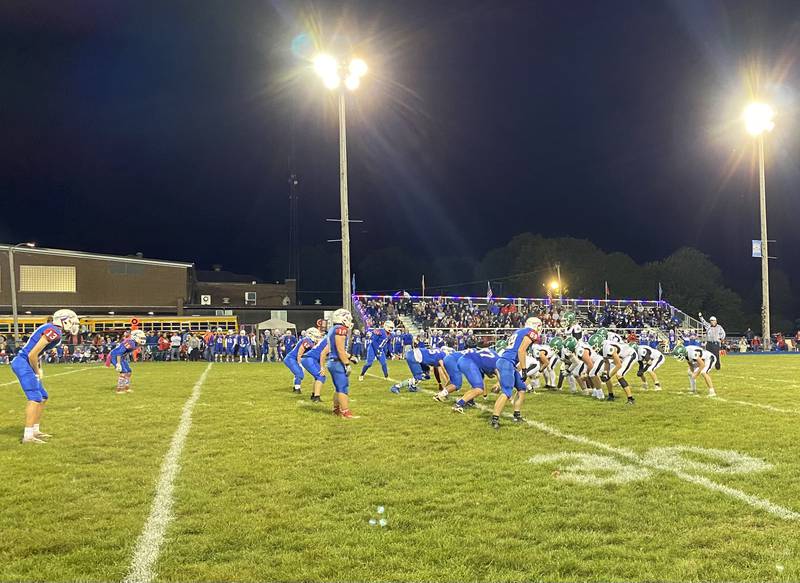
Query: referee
[(715, 334)]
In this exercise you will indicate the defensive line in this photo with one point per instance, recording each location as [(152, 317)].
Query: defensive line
[(150, 540), (754, 501)]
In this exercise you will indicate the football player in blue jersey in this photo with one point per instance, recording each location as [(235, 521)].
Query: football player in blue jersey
[(26, 368), (339, 361), (230, 346), (420, 361), (357, 344), (474, 366), (511, 369), (377, 348), (313, 361), (219, 345), (292, 360), (119, 358), (243, 342), (454, 375)]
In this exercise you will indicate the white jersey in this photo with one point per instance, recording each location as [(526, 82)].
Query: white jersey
[(695, 352), (576, 331), (623, 350), (646, 353), (613, 337), (584, 348), (538, 349)]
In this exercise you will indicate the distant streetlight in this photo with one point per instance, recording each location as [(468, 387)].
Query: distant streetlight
[(13, 281), (330, 70), (758, 119)]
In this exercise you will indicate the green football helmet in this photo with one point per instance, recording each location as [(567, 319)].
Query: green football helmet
[(556, 344), (569, 318), (596, 342), (602, 332), (571, 344), (680, 352), (500, 344)]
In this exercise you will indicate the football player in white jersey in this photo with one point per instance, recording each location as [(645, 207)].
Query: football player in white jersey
[(700, 364), (572, 327), (548, 358), (592, 362), (619, 357), (649, 360), (572, 368)]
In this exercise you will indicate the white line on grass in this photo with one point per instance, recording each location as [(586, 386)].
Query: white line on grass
[(46, 376), (754, 501), (770, 408), (149, 544)]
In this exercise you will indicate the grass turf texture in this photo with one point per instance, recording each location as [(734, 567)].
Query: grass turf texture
[(272, 487)]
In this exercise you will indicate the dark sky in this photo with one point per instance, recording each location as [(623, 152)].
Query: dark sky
[(168, 127)]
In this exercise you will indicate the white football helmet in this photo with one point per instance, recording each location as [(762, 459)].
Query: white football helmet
[(388, 325), (314, 334), (67, 320), (219, 330), (342, 316), (139, 337), (534, 323)]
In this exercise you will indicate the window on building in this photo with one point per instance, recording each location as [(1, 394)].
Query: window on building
[(47, 278), (250, 298)]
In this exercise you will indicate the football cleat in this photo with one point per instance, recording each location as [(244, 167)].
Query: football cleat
[(439, 397), (348, 414), (458, 408), (495, 424), (712, 393), (611, 397), (296, 391), (630, 401), (361, 377), (395, 389), (32, 440), (518, 419), (41, 435), (316, 399), (470, 403), (412, 389)]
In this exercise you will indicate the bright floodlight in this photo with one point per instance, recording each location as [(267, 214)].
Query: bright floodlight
[(331, 81), (553, 285), (358, 67), (352, 82), (325, 66), (758, 118)]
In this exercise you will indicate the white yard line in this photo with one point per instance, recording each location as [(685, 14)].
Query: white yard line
[(149, 544), (770, 408), (725, 373), (754, 501), (49, 376)]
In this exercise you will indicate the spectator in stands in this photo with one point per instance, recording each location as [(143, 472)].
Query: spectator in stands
[(175, 342)]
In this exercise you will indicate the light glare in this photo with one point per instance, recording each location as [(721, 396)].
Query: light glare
[(758, 118), (358, 67), (331, 81), (352, 82), (325, 66)]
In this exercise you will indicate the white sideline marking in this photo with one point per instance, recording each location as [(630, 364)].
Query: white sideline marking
[(770, 408), (46, 376), (744, 378), (754, 501), (149, 544)]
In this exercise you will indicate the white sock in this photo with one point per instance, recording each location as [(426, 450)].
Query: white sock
[(28, 433), (36, 428), (443, 393), (297, 387), (571, 383), (692, 383)]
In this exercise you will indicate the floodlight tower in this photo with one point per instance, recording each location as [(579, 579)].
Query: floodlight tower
[(331, 72), (758, 118)]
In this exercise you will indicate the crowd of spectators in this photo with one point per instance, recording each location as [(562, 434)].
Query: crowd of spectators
[(268, 346)]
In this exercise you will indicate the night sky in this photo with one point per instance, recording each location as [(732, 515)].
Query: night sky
[(170, 127)]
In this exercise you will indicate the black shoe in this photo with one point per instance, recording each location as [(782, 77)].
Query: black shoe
[(518, 419), (296, 391), (631, 401), (610, 398), (470, 404), (316, 399), (495, 424)]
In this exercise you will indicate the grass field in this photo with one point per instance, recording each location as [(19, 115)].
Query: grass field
[(273, 488)]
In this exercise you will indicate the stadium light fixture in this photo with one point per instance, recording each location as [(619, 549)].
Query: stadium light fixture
[(331, 71), (13, 281), (758, 118), (554, 285)]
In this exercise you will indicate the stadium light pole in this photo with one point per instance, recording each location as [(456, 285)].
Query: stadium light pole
[(13, 282), (758, 118), (331, 70)]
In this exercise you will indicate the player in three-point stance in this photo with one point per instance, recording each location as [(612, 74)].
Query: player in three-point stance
[(26, 367), (339, 361), (649, 360), (119, 358), (619, 357), (700, 363)]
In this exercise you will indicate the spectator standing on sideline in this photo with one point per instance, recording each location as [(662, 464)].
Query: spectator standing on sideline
[(715, 334), (272, 341), (194, 347), (175, 346), (163, 347)]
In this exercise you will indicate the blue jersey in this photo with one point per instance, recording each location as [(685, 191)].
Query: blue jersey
[(408, 339), (336, 330), (125, 347), (305, 343), (289, 342), (243, 340), (316, 352), (219, 341), (431, 357), (512, 352), (380, 338), (230, 342), (50, 332), (485, 359)]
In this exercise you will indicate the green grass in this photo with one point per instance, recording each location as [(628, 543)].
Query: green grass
[(272, 488)]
